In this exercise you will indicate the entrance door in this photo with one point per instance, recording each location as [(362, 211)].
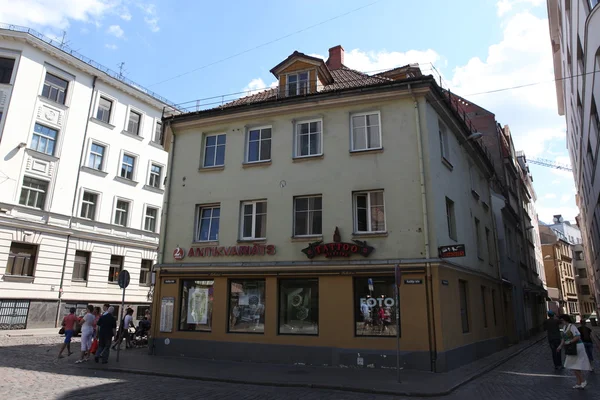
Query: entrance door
[(13, 314)]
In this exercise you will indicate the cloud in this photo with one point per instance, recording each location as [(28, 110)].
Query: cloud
[(115, 30), (111, 46), (372, 62), (504, 6), (124, 14), (546, 213), (150, 16), (550, 196), (534, 141), (257, 85), (556, 182)]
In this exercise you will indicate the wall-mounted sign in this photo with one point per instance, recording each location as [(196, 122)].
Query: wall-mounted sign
[(166, 314), (225, 251), (413, 281), (337, 248), (457, 250), (445, 282), (169, 281)]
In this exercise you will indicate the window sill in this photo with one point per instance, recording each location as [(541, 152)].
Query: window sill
[(102, 123), (256, 164), (77, 282), (52, 103), (153, 189), (211, 169), (263, 240), (132, 135), (42, 156), (157, 145), (475, 194), (365, 235), (113, 283), (314, 238), (206, 243), (18, 278), (366, 151), (126, 181), (144, 285), (308, 158), (94, 171), (447, 163)]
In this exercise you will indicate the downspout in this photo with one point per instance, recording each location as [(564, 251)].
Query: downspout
[(74, 205), (429, 280), (166, 202)]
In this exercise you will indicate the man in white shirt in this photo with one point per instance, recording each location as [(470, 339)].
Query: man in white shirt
[(124, 330)]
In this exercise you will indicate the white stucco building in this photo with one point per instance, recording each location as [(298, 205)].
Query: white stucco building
[(82, 171)]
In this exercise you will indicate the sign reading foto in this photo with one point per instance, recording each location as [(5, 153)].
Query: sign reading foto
[(458, 250)]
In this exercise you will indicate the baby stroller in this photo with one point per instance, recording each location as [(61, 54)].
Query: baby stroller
[(139, 335)]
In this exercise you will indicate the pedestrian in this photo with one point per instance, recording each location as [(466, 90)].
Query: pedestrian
[(552, 326), (107, 327), (105, 308), (68, 323), (588, 342), (87, 334), (124, 330), (97, 315), (575, 359)]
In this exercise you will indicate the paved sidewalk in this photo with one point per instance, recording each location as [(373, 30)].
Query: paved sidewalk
[(363, 380), (30, 332)]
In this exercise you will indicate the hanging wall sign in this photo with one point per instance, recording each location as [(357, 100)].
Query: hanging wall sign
[(457, 250), (337, 248)]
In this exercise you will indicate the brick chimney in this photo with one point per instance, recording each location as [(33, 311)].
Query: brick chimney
[(336, 57)]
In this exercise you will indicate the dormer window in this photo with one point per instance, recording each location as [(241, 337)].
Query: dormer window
[(297, 84)]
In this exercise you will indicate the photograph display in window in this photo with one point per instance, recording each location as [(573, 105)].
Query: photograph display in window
[(299, 306), (247, 306), (196, 305), (375, 306)]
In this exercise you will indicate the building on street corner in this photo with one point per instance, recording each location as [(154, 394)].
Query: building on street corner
[(287, 212), (81, 182)]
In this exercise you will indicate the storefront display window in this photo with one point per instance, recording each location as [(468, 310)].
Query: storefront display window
[(299, 306), (375, 306), (247, 306), (196, 305)]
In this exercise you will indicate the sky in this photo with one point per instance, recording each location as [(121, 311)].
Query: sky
[(196, 49)]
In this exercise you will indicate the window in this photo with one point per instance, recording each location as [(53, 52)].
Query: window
[(133, 124), (145, 270), (44, 139), (494, 307), (158, 135), (366, 132), (116, 266), (121, 212), (96, 160), (88, 205), (464, 312), (207, 225), (307, 216), (196, 305), (582, 273), (247, 306), (444, 144), (21, 259), (81, 266), (478, 238), (484, 307), (6, 69), (488, 242), (297, 84), (254, 220), (127, 166), (259, 145), (55, 88), (155, 176), (104, 110), (309, 137), (579, 255), (299, 306), (450, 219), (140, 312), (214, 150), (150, 219), (369, 212), (33, 193), (375, 306), (585, 290)]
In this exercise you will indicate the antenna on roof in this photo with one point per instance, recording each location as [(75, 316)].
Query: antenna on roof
[(63, 41), (121, 68)]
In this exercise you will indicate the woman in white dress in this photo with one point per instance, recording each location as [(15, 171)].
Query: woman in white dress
[(575, 360)]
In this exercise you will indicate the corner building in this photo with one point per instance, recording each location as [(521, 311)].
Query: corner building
[(287, 212)]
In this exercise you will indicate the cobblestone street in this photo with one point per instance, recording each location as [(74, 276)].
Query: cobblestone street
[(29, 369)]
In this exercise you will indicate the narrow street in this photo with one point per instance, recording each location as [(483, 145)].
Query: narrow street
[(29, 369)]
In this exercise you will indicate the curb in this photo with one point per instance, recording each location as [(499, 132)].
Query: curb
[(324, 386)]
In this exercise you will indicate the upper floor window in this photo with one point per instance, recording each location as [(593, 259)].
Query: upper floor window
[(478, 238), (33, 192), (150, 219), (450, 219), (44, 139), (155, 175), (81, 266), (297, 84), (309, 138), (145, 275), (116, 266), (104, 110), (96, 160), (254, 220), (6, 69), (21, 259), (88, 205), (55, 88), (133, 124), (121, 212), (158, 136), (308, 216), (444, 145), (259, 145), (127, 166), (369, 212), (366, 131), (214, 150), (207, 224)]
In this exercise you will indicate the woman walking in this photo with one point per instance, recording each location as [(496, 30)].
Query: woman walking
[(576, 358), (87, 334)]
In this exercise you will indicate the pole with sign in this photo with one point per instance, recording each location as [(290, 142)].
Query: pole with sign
[(398, 278), (123, 283)]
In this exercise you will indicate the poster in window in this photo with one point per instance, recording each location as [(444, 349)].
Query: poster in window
[(197, 306), (375, 310), (166, 314)]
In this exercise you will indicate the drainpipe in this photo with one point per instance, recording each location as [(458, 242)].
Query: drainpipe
[(163, 231), (429, 280), (74, 205)]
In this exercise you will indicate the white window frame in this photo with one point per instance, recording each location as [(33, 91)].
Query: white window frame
[(97, 205), (297, 138), (444, 141), (55, 151), (156, 219), (45, 205), (297, 75), (129, 210), (254, 215), (364, 114), (199, 208), (140, 133), (355, 211), (59, 75), (205, 148), (309, 211), (135, 165), (157, 123), (260, 129), (160, 177), (451, 218), (89, 153), (110, 98)]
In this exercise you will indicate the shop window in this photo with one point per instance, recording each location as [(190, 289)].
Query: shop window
[(247, 306), (196, 305), (141, 312), (375, 306), (299, 306)]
